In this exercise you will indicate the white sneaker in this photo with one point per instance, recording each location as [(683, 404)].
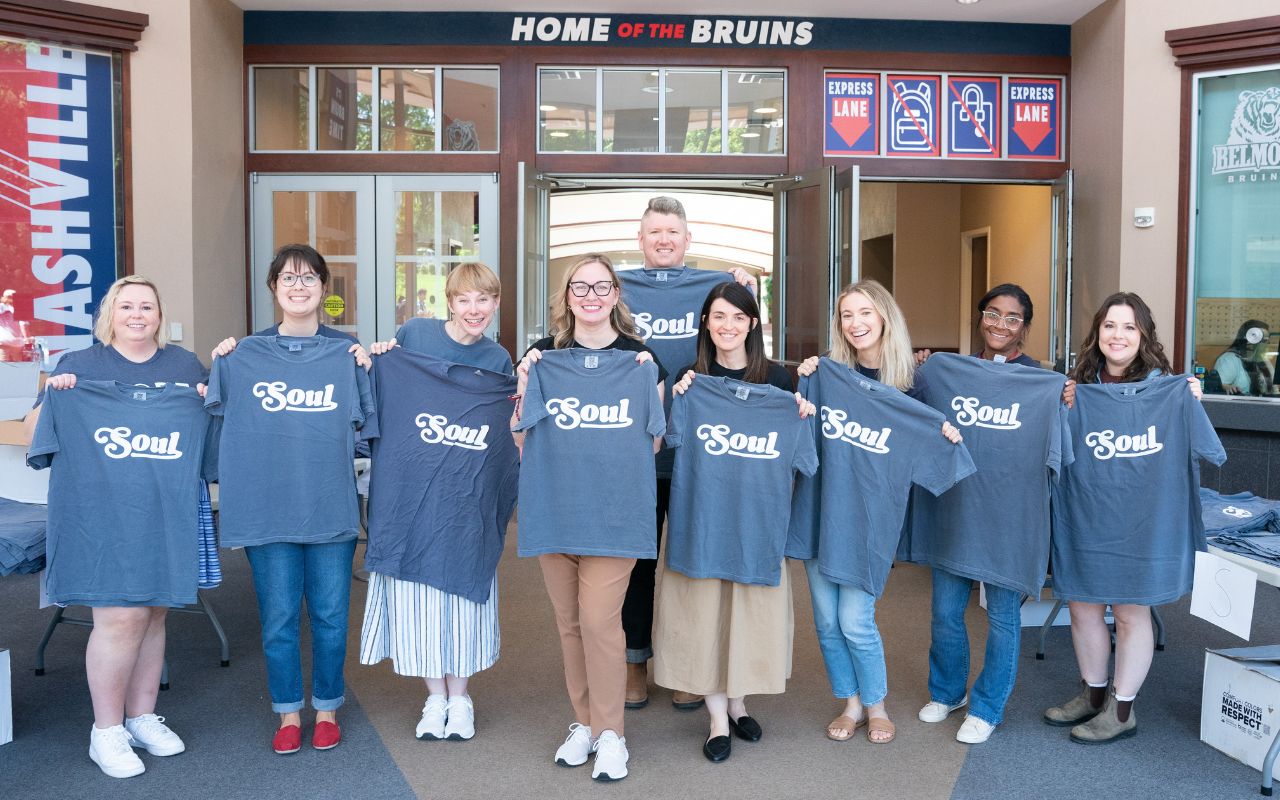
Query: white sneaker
[(111, 750), (974, 730), (577, 746), (611, 757), (150, 732), (431, 726), (462, 719), (934, 711)]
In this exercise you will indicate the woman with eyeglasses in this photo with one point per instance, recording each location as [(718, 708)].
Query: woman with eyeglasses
[(588, 313), (287, 572)]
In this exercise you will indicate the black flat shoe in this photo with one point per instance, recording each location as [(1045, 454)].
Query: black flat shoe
[(717, 748), (746, 728)]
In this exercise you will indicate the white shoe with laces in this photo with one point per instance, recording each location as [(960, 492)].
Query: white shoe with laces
[(462, 719), (150, 732), (431, 726), (934, 711), (577, 746), (111, 749), (974, 730), (611, 757)]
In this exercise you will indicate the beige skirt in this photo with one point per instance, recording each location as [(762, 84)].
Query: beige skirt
[(713, 635)]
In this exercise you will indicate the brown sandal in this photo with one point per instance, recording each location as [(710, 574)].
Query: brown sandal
[(846, 725), (880, 725)]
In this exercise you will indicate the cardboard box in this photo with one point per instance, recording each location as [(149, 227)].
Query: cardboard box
[(1240, 707)]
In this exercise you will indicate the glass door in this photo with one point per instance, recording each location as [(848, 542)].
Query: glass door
[(805, 262), (1060, 354), (848, 247), (333, 214), (426, 225), (532, 253)]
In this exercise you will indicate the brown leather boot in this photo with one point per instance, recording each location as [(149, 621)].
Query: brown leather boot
[(1106, 727), (637, 686), (686, 701)]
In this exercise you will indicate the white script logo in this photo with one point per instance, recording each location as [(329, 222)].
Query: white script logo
[(720, 441), (1238, 513), (974, 413), (837, 425), (570, 413), (437, 430), (1107, 445), (122, 443), (651, 328), (277, 396)]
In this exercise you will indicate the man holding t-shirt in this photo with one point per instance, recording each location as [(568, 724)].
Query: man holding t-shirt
[(665, 298)]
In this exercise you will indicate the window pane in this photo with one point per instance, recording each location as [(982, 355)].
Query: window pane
[(344, 109), (470, 109), (756, 112), (406, 109), (280, 97), (434, 232), (630, 111), (567, 110), (1236, 330), (693, 111), (327, 222)]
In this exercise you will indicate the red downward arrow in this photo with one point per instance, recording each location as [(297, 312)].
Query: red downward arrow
[(849, 128), (1032, 133)]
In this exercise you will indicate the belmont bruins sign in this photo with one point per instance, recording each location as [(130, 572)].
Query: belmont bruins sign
[(1253, 144)]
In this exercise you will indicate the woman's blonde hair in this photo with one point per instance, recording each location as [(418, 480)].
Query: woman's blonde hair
[(562, 320), (471, 277), (102, 328), (897, 365)]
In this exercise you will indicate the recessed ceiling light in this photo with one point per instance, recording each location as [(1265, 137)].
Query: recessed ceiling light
[(765, 110), (966, 2), (654, 89), (750, 135), (559, 134), (546, 107)]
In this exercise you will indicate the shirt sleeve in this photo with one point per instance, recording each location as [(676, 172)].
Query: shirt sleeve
[(950, 464), (1231, 371), (213, 399), (44, 444), (1204, 439), (1061, 453), (657, 415), (806, 456), (675, 426), (533, 408), (212, 444), (365, 416)]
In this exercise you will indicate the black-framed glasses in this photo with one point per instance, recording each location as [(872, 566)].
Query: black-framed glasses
[(287, 279), (601, 288), (992, 318)]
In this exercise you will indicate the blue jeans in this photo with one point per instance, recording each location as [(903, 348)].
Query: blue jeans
[(949, 652), (845, 617), (283, 574)]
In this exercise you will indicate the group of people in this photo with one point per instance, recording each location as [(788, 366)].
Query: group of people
[(603, 398)]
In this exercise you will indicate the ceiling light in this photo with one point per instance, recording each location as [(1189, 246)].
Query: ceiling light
[(654, 89), (765, 110), (966, 2), (747, 135), (547, 107), (559, 134)]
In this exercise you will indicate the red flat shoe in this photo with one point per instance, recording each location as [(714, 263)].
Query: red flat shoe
[(326, 736), (287, 740)]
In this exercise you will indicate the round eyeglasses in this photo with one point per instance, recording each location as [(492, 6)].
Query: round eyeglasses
[(600, 288), (287, 279)]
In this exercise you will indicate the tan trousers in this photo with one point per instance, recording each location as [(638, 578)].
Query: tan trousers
[(587, 593)]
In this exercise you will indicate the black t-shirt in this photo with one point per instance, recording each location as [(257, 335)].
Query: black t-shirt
[(621, 343), (777, 376)]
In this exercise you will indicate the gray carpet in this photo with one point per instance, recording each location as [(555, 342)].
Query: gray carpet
[(523, 713)]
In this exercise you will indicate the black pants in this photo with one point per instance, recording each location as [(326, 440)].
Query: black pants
[(637, 608)]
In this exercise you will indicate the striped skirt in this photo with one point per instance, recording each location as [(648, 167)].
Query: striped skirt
[(426, 632)]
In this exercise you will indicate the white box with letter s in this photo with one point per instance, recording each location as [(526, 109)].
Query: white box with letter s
[(1240, 707)]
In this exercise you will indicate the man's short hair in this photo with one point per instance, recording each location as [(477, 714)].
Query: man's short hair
[(665, 205)]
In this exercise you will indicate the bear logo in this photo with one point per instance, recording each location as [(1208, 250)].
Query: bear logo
[(1257, 117)]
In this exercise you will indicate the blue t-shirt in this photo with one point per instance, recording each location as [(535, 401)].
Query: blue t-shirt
[(102, 362), (665, 304), (874, 442), (446, 472), (994, 525), (290, 407), (1239, 513), (323, 330), (127, 462), (1126, 513), (737, 448), (587, 485), (425, 335)]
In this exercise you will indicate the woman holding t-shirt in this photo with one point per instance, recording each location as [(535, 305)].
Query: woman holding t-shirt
[(441, 637), (125, 654), (868, 334), (1121, 347), (588, 313), (701, 621), (298, 278)]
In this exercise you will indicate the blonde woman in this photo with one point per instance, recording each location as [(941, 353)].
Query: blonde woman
[(868, 335)]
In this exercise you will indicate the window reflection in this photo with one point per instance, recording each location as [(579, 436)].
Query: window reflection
[(344, 109), (470, 109), (631, 111), (693, 111), (407, 109), (566, 110), (757, 104), (281, 108)]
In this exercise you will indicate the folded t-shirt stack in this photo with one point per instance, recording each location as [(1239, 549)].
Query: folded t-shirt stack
[(22, 527), (1243, 524)]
